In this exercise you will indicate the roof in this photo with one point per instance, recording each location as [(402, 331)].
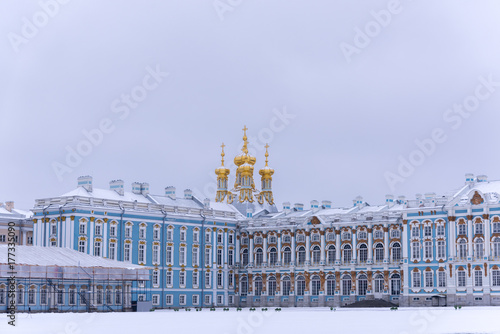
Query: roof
[(61, 257), (107, 194)]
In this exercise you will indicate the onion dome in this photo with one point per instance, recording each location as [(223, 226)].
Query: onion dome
[(222, 171), (266, 171), (244, 158)]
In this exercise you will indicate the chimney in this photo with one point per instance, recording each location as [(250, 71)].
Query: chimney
[(389, 200), (358, 201), (249, 213), (314, 204), (145, 188), (298, 207), (85, 182), (326, 204), (286, 207), (170, 192), (206, 203), (420, 201), (136, 188), (188, 194), (118, 186), (402, 200), (9, 206), (469, 179), (482, 178)]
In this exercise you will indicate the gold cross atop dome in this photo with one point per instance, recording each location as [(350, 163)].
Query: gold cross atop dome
[(222, 154)]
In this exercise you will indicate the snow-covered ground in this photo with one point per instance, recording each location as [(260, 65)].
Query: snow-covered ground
[(296, 320)]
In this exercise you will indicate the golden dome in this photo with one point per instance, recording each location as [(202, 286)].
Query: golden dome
[(222, 170), (266, 171), (244, 158)]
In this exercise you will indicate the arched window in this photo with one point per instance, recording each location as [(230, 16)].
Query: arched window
[(462, 249), (301, 255), (496, 247), (478, 278), (330, 285), (316, 255), (347, 254), (286, 286), (259, 257), (479, 249), (271, 285), (362, 285), (315, 285), (287, 256), (363, 253), (258, 285), (301, 285), (379, 252), (244, 286), (396, 252), (495, 277), (273, 256), (244, 257), (330, 255), (379, 283), (395, 284), (346, 285)]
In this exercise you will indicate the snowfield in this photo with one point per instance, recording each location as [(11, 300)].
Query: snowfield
[(294, 320)]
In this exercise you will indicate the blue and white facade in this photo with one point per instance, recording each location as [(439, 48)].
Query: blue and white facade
[(433, 250), (189, 243)]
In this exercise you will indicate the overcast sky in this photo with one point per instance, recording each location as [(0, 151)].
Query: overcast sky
[(341, 90)]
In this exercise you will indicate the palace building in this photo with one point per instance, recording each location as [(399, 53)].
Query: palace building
[(241, 250)]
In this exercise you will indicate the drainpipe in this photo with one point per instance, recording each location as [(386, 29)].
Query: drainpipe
[(162, 258)]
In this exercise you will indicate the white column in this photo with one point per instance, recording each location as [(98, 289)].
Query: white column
[(470, 235), (451, 237), (237, 248), (225, 252), (354, 248), (386, 244), (293, 248), (404, 240), (370, 245), (250, 250), (279, 248), (323, 250), (487, 236), (337, 246), (308, 247), (72, 233), (105, 240), (264, 251)]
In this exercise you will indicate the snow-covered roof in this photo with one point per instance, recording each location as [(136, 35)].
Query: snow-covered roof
[(62, 257), (108, 195)]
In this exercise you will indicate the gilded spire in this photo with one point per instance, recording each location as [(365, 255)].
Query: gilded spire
[(245, 140), (267, 153), (222, 154)]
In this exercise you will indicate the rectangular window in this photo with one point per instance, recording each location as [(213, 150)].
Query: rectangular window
[(219, 238), (112, 231), (169, 299), (128, 231), (230, 239), (440, 230), (230, 279), (195, 279), (478, 278), (142, 232), (230, 257), (170, 255), (20, 297), (429, 279), (141, 253), (118, 296), (196, 236), (30, 240), (126, 253), (415, 250), (81, 246), (428, 231), (208, 255), (461, 278), (441, 250), (207, 279), (182, 255), (183, 235), (83, 228), (219, 257), (168, 280), (156, 233), (219, 280), (170, 234), (495, 277), (156, 278), (112, 251), (98, 229), (208, 299), (220, 299), (416, 279), (43, 296), (31, 296), (428, 250), (207, 237), (156, 254), (156, 299), (441, 279), (196, 256), (97, 248), (462, 229), (195, 300), (479, 228), (182, 279), (72, 297), (182, 299), (415, 231)]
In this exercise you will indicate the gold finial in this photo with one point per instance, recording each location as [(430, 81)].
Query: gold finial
[(267, 153), (222, 154), (245, 140)]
